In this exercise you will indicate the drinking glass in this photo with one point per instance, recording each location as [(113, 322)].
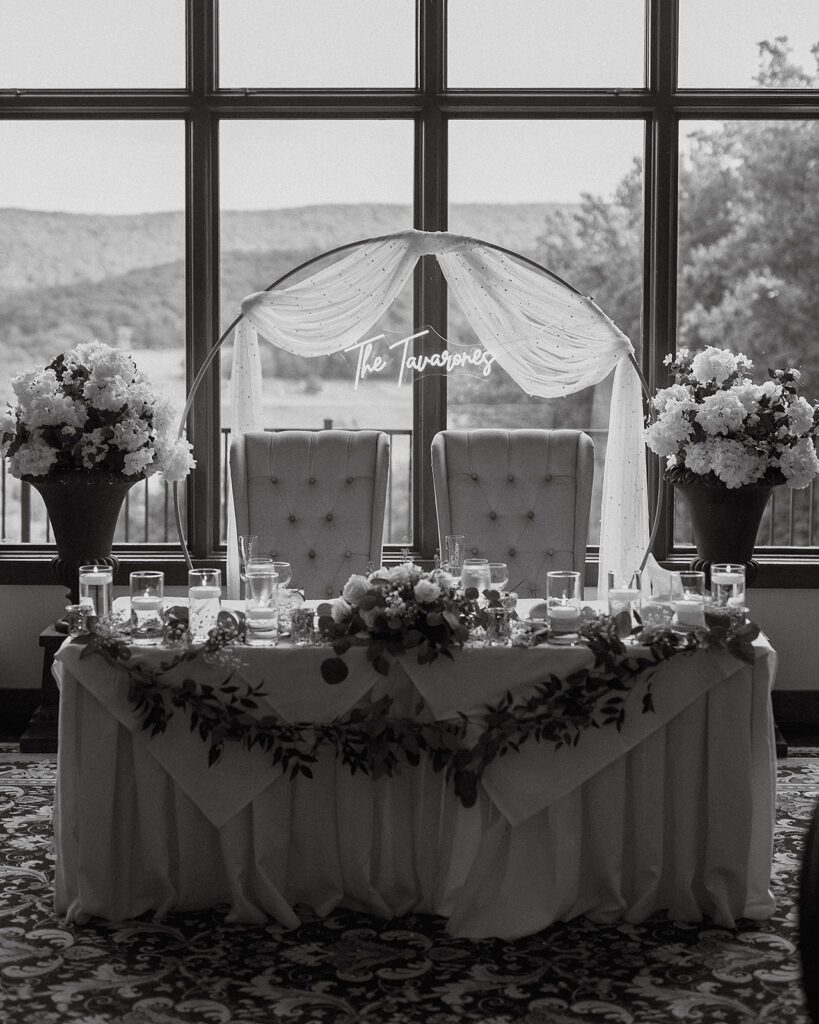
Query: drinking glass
[(454, 553), (564, 593), (302, 625), (475, 573), (656, 601), (288, 601), (97, 589), (624, 594), (285, 571), (76, 616), (204, 601), (728, 584), (689, 601), (261, 605), (498, 575), (247, 550), (498, 627), (147, 619)]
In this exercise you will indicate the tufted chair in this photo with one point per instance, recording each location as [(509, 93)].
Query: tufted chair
[(518, 496), (315, 499)]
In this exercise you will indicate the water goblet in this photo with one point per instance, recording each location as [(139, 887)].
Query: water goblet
[(285, 571), (261, 605)]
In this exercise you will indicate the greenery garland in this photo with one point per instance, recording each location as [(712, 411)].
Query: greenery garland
[(368, 739)]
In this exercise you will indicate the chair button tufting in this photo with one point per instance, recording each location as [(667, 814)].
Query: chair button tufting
[(312, 480), (311, 553), (292, 518), (531, 514), (273, 554), (550, 551), (474, 551), (474, 476), (329, 591), (512, 552), (347, 554), (510, 477), (493, 515), (274, 479), (329, 517), (548, 476), (349, 479)]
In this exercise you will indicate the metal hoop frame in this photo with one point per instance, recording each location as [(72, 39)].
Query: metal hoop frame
[(352, 245)]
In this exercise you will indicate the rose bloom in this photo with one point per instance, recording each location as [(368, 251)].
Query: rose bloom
[(370, 616), (339, 609), (734, 466), (715, 364), (800, 416), (355, 588), (426, 591), (722, 413), (670, 431), (405, 574)]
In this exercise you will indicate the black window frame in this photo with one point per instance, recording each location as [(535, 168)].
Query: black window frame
[(431, 106)]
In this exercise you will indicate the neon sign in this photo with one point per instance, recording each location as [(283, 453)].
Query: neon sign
[(370, 363)]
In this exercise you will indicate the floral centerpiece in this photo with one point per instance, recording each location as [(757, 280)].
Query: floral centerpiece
[(395, 610), (714, 423), (91, 409), (84, 430)]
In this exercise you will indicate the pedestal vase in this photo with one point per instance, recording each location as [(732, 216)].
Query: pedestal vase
[(725, 522)]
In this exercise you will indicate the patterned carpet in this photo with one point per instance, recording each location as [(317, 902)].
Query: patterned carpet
[(354, 969)]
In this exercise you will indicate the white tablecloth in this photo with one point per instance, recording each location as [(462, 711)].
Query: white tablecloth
[(673, 813)]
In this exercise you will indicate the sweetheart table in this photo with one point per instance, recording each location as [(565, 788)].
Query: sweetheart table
[(674, 813)]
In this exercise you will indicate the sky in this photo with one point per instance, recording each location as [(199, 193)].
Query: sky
[(128, 167)]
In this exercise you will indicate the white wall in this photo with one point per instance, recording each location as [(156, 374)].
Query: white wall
[(789, 617)]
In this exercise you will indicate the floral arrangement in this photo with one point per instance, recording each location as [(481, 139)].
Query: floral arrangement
[(395, 610), (91, 409), (714, 424)]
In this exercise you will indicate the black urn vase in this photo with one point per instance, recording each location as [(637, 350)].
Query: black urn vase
[(83, 509), (725, 522)]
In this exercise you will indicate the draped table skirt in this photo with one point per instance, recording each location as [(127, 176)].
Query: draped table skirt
[(676, 816)]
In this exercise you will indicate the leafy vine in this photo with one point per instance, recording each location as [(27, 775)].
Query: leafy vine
[(369, 739)]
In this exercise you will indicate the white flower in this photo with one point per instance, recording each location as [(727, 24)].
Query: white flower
[(34, 459), (699, 458), (721, 413), (176, 460), (426, 591), (339, 609), (369, 616), (800, 416), (715, 364), (734, 465), (130, 435), (405, 574), (770, 390), (677, 396), (136, 462), (668, 432), (355, 588), (799, 464), (746, 393)]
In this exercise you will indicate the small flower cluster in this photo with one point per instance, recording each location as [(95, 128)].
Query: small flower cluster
[(394, 610), (714, 423), (91, 409)]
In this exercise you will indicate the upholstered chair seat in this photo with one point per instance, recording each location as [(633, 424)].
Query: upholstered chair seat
[(518, 496), (315, 499)]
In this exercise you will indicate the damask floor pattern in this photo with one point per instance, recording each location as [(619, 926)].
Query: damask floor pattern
[(354, 969)]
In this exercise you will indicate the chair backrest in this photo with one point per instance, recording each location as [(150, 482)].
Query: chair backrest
[(315, 499), (518, 496), (809, 917)]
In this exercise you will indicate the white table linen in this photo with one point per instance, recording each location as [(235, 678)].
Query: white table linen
[(673, 813)]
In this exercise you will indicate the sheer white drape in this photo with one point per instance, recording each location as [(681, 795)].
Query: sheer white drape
[(550, 340)]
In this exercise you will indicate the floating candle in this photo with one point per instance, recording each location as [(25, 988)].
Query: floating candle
[(146, 603), (728, 579), (624, 595), (689, 612), (204, 593)]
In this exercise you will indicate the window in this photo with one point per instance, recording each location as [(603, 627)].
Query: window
[(162, 160)]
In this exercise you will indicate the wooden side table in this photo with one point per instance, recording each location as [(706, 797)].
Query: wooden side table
[(40, 736)]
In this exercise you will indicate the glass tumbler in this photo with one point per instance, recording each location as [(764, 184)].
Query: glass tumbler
[(475, 573), (97, 589), (564, 594), (728, 584), (624, 594), (147, 618), (204, 601), (454, 553), (688, 601), (261, 606)]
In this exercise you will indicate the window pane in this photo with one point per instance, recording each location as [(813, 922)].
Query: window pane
[(545, 44), (93, 227), (540, 188), (308, 44), (749, 263), (92, 44), (279, 209), (744, 44)]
